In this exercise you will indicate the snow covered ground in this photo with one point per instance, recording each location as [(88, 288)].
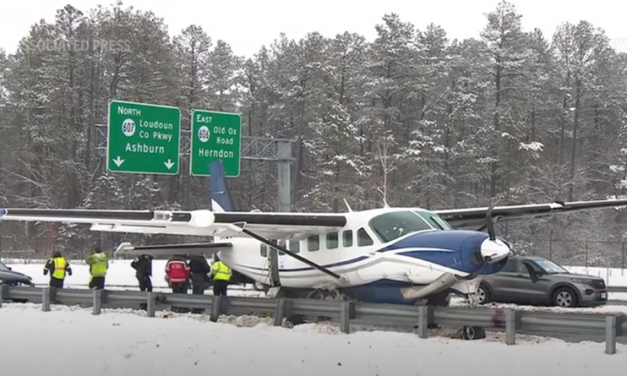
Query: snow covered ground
[(127, 343)]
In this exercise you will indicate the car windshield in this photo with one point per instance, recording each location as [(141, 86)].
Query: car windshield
[(393, 225), (550, 267), (3, 267)]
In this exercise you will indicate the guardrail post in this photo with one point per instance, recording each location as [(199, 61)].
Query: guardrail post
[(283, 309), (423, 321), (511, 324), (347, 312), (151, 305), (97, 305), (45, 299), (216, 308), (610, 335)]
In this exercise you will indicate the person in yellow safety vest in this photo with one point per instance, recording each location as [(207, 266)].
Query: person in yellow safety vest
[(221, 275), (58, 267), (98, 264)]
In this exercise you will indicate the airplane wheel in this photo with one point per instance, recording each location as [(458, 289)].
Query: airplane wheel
[(474, 332)]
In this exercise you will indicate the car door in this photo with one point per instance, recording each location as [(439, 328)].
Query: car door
[(527, 289), (502, 284)]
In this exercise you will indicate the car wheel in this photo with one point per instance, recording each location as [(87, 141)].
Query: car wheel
[(564, 297), (483, 294)]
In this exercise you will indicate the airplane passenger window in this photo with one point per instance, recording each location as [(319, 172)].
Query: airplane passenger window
[(263, 250), (347, 238), (393, 225), (363, 239), (333, 240), (294, 246), (313, 243)]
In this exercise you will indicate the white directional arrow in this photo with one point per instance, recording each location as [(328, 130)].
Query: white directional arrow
[(118, 161), (169, 164)]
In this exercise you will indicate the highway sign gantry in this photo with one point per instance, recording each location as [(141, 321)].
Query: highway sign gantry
[(143, 138), (215, 136)]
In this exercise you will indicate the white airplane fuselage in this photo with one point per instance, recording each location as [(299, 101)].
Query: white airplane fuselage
[(374, 262)]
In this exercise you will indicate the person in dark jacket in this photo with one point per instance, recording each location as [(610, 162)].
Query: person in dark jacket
[(199, 270), (58, 266), (143, 267)]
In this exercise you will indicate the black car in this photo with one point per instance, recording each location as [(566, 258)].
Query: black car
[(11, 278)]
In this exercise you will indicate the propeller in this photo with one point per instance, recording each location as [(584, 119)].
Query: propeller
[(490, 223)]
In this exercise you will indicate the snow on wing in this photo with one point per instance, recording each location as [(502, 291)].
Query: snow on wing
[(198, 222), (460, 218)]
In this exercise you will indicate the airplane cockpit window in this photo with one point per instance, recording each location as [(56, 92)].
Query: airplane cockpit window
[(363, 239), (313, 243), (434, 220), (393, 225), (294, 246), (333, 240)]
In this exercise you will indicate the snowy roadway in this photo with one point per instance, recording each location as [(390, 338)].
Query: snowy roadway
[(70, 341)]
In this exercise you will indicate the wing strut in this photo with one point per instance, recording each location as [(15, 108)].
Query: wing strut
[(292, 254)]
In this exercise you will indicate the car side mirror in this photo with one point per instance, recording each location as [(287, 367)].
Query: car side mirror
[(532, 272), (10, 268)]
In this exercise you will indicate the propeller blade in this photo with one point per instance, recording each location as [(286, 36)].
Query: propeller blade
[(490, 223)]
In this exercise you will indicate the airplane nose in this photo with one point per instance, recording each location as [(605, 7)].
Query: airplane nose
[(496, 250)]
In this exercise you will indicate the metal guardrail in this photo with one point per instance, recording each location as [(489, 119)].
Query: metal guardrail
[(344, 312), (617, 289)]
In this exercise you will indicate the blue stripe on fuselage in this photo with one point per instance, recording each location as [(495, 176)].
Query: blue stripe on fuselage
[(448, 248)]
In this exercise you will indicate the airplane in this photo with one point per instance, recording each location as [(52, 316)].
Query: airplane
[(385, 255)]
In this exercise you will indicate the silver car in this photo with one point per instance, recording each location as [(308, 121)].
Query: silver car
[(538, 281)]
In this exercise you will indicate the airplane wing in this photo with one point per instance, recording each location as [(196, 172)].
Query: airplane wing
[(461, 218), (197, 222)]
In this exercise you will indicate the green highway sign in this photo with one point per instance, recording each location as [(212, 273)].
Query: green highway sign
[(215, 136), (143, 138)]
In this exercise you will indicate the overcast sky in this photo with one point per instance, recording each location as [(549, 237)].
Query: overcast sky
[(248, 24)]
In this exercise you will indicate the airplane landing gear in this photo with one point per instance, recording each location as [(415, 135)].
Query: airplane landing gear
[(472, 300), (470, 333)]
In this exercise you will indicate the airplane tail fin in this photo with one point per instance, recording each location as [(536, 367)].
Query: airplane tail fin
[(220, 202)]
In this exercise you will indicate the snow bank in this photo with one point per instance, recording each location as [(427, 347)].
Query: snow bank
[(120, 273), (123, 343)]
